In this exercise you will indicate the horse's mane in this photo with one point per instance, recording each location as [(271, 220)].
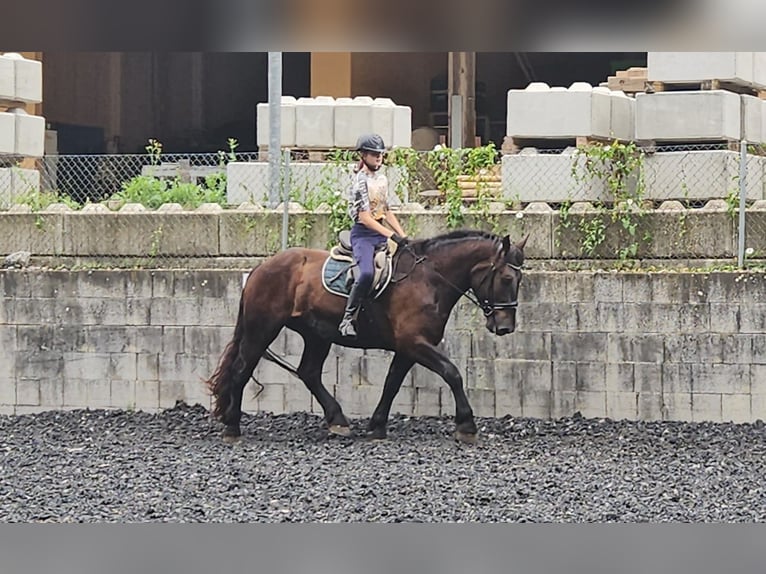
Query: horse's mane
[(426, 245)]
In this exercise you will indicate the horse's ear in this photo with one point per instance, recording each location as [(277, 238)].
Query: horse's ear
[(506, 244), (523, 242)]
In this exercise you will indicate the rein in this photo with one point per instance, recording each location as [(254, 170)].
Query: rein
[(488, 305)]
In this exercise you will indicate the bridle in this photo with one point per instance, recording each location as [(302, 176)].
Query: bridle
[(488, 305)]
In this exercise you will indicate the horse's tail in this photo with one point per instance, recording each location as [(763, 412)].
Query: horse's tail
[(230, 364)]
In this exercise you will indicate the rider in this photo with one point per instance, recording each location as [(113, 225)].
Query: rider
[(369, 209)]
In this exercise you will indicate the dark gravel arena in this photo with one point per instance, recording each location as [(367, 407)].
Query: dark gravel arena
[(120, 466)]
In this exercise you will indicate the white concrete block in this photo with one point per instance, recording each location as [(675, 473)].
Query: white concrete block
[(7, 78), (700, 175), (688, 116), (29, 80), (7, 133), (542, 112), (402, 127), (24, 181), (753, 110), (287, 119), (315, 122), (6, 187), (382, 112), (680, 67), (30, 134), (353, 117), (529, 176), (623, 116), (759, 70)]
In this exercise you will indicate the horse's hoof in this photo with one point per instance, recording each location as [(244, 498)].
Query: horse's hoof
[(340, 430), (466, 437), (232, 439), (376, 435)]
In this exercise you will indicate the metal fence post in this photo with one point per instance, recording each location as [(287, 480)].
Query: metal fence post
[(285, 197), (275, 125), (742, 199)]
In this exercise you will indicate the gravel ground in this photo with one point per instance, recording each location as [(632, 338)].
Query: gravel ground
[(118, 466)]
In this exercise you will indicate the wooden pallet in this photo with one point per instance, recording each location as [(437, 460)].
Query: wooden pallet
[(513, 145), (704, 86)]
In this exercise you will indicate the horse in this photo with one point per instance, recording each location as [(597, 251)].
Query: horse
[(409, 318)]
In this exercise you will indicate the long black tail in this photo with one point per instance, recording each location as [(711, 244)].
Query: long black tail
[(230, 364)]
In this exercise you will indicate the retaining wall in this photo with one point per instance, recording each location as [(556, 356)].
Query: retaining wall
[(674, 346)]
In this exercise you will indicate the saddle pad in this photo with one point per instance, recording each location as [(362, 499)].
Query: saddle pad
[(334, 275)]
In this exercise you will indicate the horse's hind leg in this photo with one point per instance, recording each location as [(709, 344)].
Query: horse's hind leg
[(250, 352), (315, 351), (400, 366)]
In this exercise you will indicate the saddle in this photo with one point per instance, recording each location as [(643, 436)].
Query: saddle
[(340, 271)]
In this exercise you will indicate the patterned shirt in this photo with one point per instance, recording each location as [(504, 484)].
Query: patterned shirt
[(369, 192)]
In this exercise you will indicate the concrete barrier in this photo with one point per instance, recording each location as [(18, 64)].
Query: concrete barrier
[(739, 68)]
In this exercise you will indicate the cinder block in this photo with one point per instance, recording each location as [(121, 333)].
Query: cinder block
[(286, 118), (736, 408), (536, 404), (147, 395), (7, 133), (706, 407), (482, 402), (677, 406), (122, 394), (648, 377), (28, 392), (52, 392), (695, 67), (622, 405), (650, 407), (720, 378), (619, 377), (688, 116), (315, 122)]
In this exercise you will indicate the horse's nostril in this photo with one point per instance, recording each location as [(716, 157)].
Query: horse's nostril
[(503, 330)]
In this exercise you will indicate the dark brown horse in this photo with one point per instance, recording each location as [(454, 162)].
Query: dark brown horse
[(408, 318)]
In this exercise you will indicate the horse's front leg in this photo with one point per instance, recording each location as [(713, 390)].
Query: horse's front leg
[(433, 359), (400, 366)]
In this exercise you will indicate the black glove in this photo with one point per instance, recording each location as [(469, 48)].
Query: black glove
[(399, 240)]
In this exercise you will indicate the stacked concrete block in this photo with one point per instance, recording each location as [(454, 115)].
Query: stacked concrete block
[(21, 84), (363, 114), (315, 122), (7, 133), (688, 116), (325, 123), (287, 121), (539, 111), (747, 69)]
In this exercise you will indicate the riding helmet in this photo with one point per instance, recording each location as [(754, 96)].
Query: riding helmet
[(370, 142)]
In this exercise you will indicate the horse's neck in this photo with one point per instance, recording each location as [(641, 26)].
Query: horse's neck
[(456, 261)]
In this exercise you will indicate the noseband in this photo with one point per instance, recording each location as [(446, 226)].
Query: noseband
[(488, 304)]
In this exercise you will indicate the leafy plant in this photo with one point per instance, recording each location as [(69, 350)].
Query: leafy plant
[(618, 167), (37, 200)]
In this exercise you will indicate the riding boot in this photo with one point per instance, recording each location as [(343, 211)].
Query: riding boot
[(347, 325)]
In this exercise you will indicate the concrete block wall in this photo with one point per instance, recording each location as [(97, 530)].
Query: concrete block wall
[(668, 346), (324, 122), (252, 232), (21, 83)]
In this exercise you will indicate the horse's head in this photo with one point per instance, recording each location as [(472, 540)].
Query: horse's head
[(497, 286)]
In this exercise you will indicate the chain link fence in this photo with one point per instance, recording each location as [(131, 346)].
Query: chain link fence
[(609, 202)]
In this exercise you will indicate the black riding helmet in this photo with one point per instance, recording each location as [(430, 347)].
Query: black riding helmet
[(370, 142)]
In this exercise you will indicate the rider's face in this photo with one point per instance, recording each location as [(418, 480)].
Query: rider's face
[(373, 159)]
